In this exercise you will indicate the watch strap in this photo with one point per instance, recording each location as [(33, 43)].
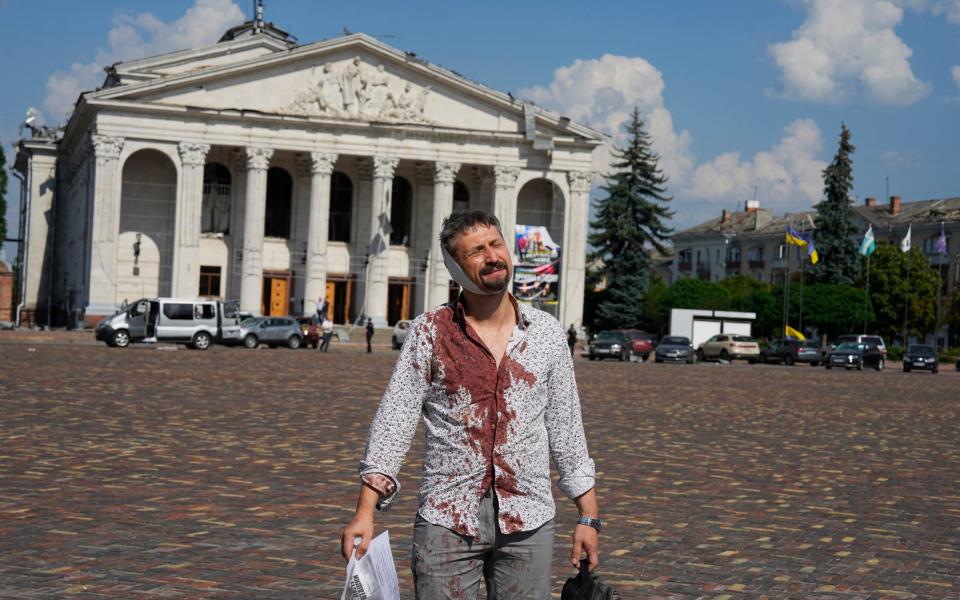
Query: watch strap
[(590, 522)]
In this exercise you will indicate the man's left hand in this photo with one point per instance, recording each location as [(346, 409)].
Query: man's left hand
[(585, 539)]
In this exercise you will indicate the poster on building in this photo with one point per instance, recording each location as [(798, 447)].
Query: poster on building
[(536, 277)]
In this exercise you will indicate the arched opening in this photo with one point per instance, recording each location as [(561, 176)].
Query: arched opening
[(276, 222), (148, 208), (215, 216), (539, 235), (401, 211), (461, 196), (341, 208)]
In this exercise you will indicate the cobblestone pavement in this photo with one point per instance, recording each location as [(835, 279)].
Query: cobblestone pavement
[(152, 472)]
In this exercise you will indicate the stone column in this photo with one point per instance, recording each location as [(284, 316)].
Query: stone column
[(444, 174), (254, 209), (186, 258), (375, 296), (321, 168), (238, 160), (505, 203), (102, 286), (573, 257)]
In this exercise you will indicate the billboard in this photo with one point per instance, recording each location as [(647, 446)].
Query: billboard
[(536, 276)]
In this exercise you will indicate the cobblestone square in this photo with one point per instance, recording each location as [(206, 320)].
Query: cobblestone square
[(160, 472)]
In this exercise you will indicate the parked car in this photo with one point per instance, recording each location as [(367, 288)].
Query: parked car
[(726, 346), (856, 355), (641, 342), (400, 330), (609, 344), (310, 331), (674, 348), (921, 357), (792, 351), (272, 331), (876, 340), (196, 323)]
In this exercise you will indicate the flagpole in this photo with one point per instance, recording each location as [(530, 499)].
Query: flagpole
[(906, 303), (866, 295), (940, 254), (803, 268)]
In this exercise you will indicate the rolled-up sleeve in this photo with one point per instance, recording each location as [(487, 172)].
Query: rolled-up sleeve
[(396, 420), (568, 443)]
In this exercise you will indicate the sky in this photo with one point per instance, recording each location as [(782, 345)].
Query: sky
[(744, 99)]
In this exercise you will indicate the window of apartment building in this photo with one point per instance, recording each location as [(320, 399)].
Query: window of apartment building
[(733, 253), (209, 281), (685, 256), (782, 252), (755, 254)]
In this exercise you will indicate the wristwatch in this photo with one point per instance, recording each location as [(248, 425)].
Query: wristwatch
[(589, 522)]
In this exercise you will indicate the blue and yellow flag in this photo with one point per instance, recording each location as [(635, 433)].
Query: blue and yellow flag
[(804, 240), (790, 332)]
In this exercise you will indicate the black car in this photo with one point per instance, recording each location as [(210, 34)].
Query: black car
[(856, 355), (609, 344), (921, 357), (673, 348), (791, 351)]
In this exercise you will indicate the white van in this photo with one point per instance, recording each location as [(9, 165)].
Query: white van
[(196, 323)]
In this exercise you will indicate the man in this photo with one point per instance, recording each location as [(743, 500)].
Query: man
[(572, 338), (327, 330), (321, 309), (494, 382), (369, 336)]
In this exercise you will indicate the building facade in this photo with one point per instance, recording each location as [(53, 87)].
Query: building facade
[(279, 174), (752, 242)]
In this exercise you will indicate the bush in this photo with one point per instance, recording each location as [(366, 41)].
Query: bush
[(894, 353)]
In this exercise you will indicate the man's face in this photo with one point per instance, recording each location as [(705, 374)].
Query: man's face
[(484, 257)]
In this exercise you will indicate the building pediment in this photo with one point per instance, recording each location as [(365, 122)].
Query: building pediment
[(353, 78)]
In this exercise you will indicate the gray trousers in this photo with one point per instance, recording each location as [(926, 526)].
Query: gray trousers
[(516, 566)]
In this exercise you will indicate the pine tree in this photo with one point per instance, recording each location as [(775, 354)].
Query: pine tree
[(630, 221), (835, 232)]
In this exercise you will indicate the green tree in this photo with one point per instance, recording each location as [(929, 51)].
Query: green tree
[(696, 293), (891, 291), (3, 195), (833, 308), (630, 219), (656, 315), (746, 294), (835, 231)]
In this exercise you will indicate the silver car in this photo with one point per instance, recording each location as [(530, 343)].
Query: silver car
[(272, 331)]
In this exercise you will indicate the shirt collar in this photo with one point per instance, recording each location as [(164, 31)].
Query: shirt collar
[(460, 316)]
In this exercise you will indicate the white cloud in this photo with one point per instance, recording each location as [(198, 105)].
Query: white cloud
[(603, 92), (848, 48), (896, 160), (136, 36), (950, 9), (788, 176), (955, 73)]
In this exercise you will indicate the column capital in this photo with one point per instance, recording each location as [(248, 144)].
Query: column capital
[(239, 159), (192, 154), (106, 147), (364, 168), (321, 163), (384, 166), (580, 181), (258, 158), (424, 173), (445, 172), (505, 177)]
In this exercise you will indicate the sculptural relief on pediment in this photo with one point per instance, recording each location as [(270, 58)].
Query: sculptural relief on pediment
[(357, 91)]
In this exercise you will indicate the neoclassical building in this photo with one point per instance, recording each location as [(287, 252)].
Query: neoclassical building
[(275, 173)]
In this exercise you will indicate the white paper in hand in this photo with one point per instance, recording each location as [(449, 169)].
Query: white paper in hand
[(374, 576)]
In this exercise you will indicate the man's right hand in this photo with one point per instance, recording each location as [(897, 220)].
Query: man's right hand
[(360, 527)]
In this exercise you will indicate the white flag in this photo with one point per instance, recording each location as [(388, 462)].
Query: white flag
[(905, 242)]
